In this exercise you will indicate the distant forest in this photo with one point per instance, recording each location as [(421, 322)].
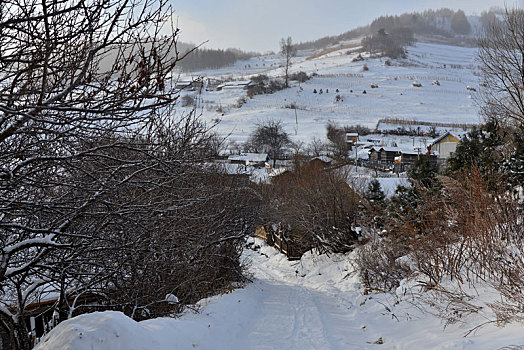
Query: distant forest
[(202, 58), (445, 23)]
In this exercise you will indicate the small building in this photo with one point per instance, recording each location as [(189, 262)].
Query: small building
[(184, 85), (254, 159), (352, 138), (213, 83), (446, 144), (388, 154), (240, 84), (374, 154), (409, 157), (320, 162)]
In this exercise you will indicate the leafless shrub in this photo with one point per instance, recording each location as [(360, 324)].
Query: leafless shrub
[(301, 77), (466, 235), (188, 101), (315, 207), (240, 102), (378, 264)]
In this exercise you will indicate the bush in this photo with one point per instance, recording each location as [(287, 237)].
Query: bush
[(378, 264), (299, 76), (365, 68), (358, 58), (315, 209), (240, 102), (188, 100)]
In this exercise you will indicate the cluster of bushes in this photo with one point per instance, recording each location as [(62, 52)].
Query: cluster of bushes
[(457, 228), (299, 76), (314, 208), (390, 43), (265, 85)]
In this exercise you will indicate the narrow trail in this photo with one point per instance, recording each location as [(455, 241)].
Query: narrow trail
[(293, 317)]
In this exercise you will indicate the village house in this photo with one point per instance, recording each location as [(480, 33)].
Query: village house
[(190, 85), (374, 154), (446, 144), (388, 154)]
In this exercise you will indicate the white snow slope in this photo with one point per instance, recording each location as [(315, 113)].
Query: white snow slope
[(454, 67), (316, 303)]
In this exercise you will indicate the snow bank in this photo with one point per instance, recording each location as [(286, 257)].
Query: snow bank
[(315, 303)]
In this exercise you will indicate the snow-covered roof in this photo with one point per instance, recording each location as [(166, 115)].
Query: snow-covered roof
[(391, 149), (411, 151), (324, 159), (277, 172), (238, 83), (457, 134), (249, 157), (352, 134)]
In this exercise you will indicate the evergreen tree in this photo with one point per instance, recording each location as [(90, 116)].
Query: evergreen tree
[(374, 193), (424, 172), (514, 166), (480, 149)]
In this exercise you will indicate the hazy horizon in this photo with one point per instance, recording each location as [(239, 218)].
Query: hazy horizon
[(258, 26)]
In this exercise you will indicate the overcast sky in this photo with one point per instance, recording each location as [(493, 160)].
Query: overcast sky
[(258, 25)]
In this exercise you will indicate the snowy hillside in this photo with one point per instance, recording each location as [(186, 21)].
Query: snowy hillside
[(316, 303), (451, 101)]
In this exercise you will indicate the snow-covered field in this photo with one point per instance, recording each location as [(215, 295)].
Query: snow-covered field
[(454, 67), (316, 303)]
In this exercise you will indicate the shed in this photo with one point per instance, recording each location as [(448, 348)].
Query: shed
[(374, 154), (351, 138), (388, 154), (256, 159), (240, 84)]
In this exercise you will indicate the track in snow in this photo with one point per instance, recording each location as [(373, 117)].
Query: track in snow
[(293, 317)]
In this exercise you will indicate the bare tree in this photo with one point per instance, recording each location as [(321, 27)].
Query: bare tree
[(460, 23), (269, 137), (501, 54), (289, 51), (94, 169)]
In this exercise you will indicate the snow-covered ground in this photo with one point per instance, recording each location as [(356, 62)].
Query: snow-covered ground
[(454, 67), (315, 303)]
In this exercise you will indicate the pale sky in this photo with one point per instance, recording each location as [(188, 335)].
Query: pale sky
[(258, 25)]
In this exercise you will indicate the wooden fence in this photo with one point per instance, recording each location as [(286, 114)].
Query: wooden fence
[(279, 241)]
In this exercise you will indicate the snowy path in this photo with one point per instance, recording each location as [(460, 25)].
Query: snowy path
[(316, 304), (293, 317)]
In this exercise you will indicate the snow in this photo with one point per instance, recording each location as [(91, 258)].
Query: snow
[(249, 157), (454, 67), (316, 303)]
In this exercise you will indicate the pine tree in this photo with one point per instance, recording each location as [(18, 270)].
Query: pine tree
[(480, 149), (424, 172), (374, 193), (514, 166)]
